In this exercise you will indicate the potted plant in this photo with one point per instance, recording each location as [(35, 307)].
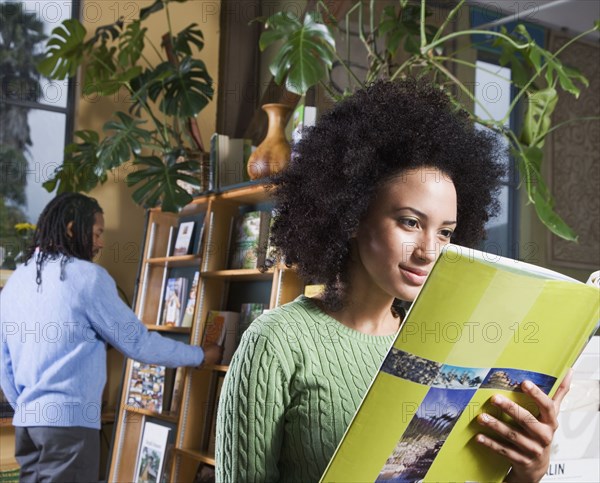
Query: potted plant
[(399, 43), (159, 133)]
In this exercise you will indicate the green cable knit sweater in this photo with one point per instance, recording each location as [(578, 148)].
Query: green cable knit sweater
[(292, 388)]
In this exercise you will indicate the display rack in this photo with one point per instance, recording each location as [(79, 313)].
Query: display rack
[(191, 436)]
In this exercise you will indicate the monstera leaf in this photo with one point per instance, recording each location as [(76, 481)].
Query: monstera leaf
[(186, 89), (188, 37), (306, 53), (131, 44), (126, 140), (159, 181), (80, 169), (64, 51)]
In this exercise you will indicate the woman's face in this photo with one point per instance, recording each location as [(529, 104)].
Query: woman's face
[(408, 222)]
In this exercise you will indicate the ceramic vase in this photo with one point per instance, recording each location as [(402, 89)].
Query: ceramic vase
[(273, 153)]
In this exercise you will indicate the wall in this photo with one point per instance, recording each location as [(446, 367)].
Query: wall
[(572, 169), (124, 219)]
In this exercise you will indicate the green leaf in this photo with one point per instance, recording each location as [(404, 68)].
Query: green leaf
[(552, 220), (79, 171), (186, 89), (537, 118), (131, 44), (187, 37), (117, 148), (306, 54), (159, 183), (64, 51), (155, 7)]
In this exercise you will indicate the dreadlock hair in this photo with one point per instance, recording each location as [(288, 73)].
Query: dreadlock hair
[(51, 236)]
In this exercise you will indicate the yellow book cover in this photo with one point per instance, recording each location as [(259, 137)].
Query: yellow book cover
[(481, 325)]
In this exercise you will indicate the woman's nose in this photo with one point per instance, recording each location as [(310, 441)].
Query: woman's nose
[(427, 248)]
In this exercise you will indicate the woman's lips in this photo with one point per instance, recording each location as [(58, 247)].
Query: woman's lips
[(413, 275)]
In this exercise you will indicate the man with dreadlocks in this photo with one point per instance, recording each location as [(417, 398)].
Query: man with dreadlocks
[(57, 313)]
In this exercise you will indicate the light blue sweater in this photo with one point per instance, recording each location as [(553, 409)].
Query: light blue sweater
[(53, 358)]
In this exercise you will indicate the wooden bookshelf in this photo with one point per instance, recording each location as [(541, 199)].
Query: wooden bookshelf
[(219, 288)]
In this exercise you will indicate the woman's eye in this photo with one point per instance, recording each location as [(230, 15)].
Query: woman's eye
[(446, 233), (409, 222)]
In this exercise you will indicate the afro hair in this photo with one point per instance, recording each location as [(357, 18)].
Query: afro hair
[(366, 139)]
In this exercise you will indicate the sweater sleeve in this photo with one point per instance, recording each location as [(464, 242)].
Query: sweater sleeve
[(250, 419), (118, 325)]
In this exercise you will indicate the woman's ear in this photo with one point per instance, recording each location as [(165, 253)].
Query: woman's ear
[(70, 229)]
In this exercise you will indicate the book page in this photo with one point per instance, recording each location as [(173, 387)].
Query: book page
[(476, 329)]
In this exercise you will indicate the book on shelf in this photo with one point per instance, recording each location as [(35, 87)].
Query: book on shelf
[(213, 419), (177, 389), (146, 386), (271, 257), (221, 329), (175, 294), (248, 313), (152, 452), (169, 389), (183, 242), (231, 327), (249, 240), (188, 314), (232, 163), (481, 325), (195, 182)]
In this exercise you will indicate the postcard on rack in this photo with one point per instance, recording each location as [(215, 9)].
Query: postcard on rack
[(184, 238), (152, 452), (481, 325)]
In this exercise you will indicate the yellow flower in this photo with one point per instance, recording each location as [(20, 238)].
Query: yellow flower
[(23, 228)]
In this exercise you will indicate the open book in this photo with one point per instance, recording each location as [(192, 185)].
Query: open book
[(481, 325)]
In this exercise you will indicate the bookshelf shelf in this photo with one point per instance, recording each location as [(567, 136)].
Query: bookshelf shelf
[(165, 416), (175, 261), (196, 455), (216, 368), (5, 422), (241, 274), (217, 289)]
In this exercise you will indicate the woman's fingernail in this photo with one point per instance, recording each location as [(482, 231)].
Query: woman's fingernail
[(527, 384)]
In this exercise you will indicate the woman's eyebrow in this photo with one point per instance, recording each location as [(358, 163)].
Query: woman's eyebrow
[(420, 214)]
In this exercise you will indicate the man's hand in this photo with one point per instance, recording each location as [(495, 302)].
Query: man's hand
[(212, 355)]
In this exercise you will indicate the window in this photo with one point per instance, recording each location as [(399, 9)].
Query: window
[(493, 91), (36, 118)]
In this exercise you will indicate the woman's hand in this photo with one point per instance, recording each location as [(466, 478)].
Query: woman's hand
[(526, 444)]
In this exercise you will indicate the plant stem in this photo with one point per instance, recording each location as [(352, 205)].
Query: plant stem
[(155, 49), (450, 17), (399, 70), (462, 87), (574, 39), (551, 56), (561, 124), (329, 90), (453, 35), (422, 27)]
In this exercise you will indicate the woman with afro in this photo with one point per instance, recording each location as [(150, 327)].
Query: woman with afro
[(373, 192)]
